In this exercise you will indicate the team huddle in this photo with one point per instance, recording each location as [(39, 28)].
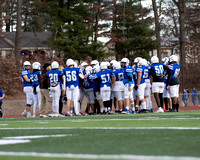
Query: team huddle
[(106, 84)]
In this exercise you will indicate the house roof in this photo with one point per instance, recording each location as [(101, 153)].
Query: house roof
[(29, 39)]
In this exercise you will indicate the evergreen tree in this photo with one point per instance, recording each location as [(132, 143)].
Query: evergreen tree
[(132, 31)]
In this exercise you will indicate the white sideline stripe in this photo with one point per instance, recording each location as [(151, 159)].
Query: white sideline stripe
[(3, 124), (117, 119), (96, 156), (107, 128)]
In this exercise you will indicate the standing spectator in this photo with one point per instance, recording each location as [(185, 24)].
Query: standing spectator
[(185, 97), (46, 100), (2, 95), (194, 96)]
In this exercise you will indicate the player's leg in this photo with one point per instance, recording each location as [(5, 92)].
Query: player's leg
[(99, 99), (156, 90), (92, 100), (35, 105), (57, 97), (132, 99), (1, 112), (30, 101), (126, 97), (75, 95), (140, 92), (69, 100)]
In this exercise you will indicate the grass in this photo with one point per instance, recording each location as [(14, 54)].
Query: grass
[(89, 135)]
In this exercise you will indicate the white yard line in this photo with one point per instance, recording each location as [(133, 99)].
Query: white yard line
[(113, 119), (3, 124), (96, 156), (106, 128)]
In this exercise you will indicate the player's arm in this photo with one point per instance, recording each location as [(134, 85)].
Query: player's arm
[(64, 85), (81, 75), (139, 78), (169, 73), (113, 81), (27, 79)]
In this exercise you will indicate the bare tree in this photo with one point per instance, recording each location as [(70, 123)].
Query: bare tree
[(157, 28), (18, 32), (181, 4)]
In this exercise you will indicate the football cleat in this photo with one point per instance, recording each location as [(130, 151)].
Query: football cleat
[(68, 114), (79, 114), (1, 114), (34, 116), (24, 113), (28, 115), (151, 110), (126, 111), (43, 116), (160, 110), (133, 112)]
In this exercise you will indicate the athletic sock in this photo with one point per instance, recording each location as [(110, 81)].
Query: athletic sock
[(101, 110), (166, 103), (161, 99), (144, 105), (177, 107), (127, 107), (147, 102), (173, 107)]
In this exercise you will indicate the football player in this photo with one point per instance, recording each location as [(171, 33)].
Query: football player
[(72, 76), (173, 81), (88, 90), (104, 81), (55, 78), (140, 85), (129, 84), (28, 90), (118, 85), (35, 77), (156, 74)]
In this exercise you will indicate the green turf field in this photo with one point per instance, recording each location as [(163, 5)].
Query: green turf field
[(141, 136)]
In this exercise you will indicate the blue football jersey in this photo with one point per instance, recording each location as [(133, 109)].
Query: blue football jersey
[(165, 77), (54, 77), (25, 72), (1, 94), (146, 73), (93, 77), (140, 69), (158, 69), (175, 68), (35, 77), (128, 71), (72, 76), (88, 83), (104, 77), (118, 74)]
